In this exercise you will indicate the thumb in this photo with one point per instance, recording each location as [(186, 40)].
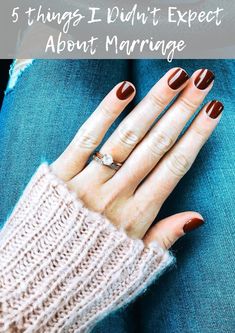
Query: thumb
[(167, 231)]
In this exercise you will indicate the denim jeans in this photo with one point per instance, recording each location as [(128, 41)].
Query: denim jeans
[(41, 114)]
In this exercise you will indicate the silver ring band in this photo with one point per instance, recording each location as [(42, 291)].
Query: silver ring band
[(107, 160)]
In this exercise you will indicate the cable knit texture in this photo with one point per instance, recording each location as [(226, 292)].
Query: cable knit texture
[(64, 267)]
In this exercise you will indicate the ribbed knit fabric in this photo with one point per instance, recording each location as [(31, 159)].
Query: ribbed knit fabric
[(64, 267)]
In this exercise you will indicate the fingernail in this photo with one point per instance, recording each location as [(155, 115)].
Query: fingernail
[(177, 79), (192, 224), (214, 109), (125, 90), (204, 79)]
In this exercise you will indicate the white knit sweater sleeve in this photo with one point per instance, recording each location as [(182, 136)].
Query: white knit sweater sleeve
[(64, 267)]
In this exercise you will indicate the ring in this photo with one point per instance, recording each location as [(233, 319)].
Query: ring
[(106, 159)]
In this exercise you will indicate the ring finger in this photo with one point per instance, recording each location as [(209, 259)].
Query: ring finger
[(134, 127)]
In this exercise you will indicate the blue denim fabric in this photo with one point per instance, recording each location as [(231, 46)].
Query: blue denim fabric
[(40, 116)]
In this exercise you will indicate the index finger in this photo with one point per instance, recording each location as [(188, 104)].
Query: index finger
[(90, 135)]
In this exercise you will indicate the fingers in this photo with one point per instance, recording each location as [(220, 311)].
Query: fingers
[(166, 232), (89, 136), (134, 127), (162, 180), (164, 134)]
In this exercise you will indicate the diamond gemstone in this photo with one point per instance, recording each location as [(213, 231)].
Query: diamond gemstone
[(107, 159)]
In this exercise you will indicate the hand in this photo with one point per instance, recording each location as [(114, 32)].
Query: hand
[(153, 162)]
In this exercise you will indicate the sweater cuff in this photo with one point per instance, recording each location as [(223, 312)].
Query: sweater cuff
[(63, 266)]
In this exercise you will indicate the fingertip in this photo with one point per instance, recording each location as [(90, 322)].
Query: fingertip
[(169, 85), (193, 224), (186, 222), (214, 109), (177, 78), (125, 90), (167, 231), (203, 79)]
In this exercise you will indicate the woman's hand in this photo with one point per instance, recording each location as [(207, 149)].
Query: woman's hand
[(153, 162)]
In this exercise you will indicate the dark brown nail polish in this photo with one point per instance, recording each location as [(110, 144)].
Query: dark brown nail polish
[(214, 109), (204, 79), (177, 79), (192, 224), (125, 90)]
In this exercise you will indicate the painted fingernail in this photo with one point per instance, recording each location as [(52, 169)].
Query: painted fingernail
[(204, 79), (192, 224), (125, 90), (177, 79), (214, 109)]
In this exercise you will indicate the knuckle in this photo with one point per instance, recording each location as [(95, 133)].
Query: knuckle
[(159, 143), (187, 105), (157, 102), (167, 241), (99, 206), (137, 224), (108, 111), (107, 201), (86, 140), (178, 164), (129, 227), (127, 136), (201, 133)]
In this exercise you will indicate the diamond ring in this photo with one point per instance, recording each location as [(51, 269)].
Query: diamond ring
[(106, 159)]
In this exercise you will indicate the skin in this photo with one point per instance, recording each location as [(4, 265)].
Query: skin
[(153, 161)]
